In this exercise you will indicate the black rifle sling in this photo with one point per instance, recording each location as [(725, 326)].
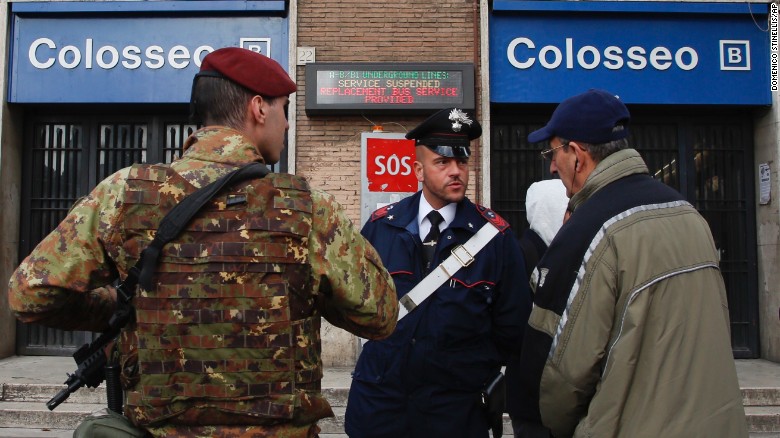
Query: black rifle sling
[(173, 224)]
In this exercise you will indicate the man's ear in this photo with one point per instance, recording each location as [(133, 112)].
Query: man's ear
[(580, 155), (418, 170), (419, 155), (259, 108)]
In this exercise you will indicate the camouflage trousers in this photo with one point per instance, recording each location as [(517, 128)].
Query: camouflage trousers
[(108, 424)]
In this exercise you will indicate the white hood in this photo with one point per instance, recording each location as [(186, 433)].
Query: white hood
[(545, 205)]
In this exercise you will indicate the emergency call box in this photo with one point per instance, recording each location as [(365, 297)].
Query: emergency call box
[(387, 170)]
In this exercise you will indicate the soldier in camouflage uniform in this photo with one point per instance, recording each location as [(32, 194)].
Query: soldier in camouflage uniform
[(226, 342)]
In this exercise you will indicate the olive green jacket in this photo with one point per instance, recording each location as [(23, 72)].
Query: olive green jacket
[(638, 327)]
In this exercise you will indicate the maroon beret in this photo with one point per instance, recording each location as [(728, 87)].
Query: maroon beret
[(256, 72)]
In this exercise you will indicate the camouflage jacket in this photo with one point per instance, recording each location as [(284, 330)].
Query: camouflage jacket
[(64, 282)]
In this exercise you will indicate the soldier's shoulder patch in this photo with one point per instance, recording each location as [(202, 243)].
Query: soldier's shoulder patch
[(382, 212), (288, 181), (148, 172), (493, 217)]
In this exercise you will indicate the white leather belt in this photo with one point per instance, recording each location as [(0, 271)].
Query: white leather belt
[(462, 256)]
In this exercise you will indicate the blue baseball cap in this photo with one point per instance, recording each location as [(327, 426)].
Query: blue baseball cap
[(595, 117)]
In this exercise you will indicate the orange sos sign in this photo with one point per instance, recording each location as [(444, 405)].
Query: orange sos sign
[(390, 165)]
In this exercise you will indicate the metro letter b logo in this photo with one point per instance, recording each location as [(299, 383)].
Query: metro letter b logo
[(734, 55)]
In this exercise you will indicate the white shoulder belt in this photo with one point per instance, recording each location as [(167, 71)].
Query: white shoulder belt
[(462, 256)]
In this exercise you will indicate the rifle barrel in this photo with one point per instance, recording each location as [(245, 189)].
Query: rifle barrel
[(74, 383), (57, 399)]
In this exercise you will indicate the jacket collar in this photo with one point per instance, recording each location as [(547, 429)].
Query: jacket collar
[(220, 144), (447, 212), (616, 166), (404, 215)]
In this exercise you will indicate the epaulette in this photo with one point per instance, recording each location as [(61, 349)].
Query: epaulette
[(492, 217), (148, 172), (382, 212)]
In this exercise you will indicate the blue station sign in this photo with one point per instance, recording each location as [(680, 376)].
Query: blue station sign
[(105, 52), (646, 52)]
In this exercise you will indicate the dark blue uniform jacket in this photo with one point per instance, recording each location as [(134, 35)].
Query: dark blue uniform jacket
[(457, 339)]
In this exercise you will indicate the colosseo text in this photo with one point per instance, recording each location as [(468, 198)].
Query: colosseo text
[(44, 53), (522, 53)]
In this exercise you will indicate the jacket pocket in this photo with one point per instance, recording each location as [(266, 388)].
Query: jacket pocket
[(468, 368), (379, 362), (463, 312)]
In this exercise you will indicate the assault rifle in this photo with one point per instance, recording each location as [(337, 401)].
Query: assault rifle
[(91, 360), (92, 363)]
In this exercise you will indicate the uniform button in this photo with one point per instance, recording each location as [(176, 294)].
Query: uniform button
[(414, 341)]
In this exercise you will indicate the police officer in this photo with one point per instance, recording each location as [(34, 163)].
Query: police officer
[(426, 379), (226, 342)]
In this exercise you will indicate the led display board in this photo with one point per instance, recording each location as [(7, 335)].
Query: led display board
[(357, 88)]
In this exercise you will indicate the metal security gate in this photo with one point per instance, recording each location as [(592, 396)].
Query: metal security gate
[(63, 159), (707, 158)]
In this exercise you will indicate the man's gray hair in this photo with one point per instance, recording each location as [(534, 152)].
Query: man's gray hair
[(600, 151)]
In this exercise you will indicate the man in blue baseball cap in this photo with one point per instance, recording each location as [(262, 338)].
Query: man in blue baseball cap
[(595, 117), (629, 332)]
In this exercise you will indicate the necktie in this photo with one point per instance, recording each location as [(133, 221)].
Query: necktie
[(429, 244)]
